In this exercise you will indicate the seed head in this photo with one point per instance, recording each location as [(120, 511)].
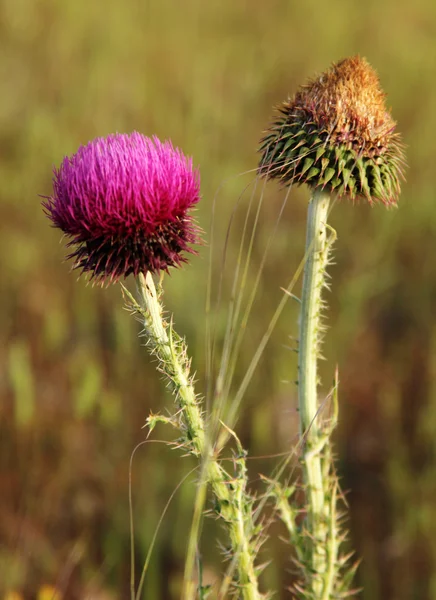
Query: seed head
[(336, 133), (123, 201)]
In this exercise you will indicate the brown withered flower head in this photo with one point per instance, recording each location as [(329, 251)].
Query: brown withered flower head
[(337, 134)]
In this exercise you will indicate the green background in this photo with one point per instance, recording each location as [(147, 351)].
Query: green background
[(75, 384)]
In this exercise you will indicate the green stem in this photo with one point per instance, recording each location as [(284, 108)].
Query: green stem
[(317, 248), (231, 502)]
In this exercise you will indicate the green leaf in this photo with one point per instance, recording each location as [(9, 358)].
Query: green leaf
[(339, 153), (346, 174), (319, 152), (300, 133), (317, 141), (308, 162), (304, 151), (313, 172), (154, 419), (324, 164), (362, 176), (290, 144), (334, 183), (329, 173), (300, 144)]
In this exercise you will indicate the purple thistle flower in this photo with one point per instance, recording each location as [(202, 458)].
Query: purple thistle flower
[(124, 200)]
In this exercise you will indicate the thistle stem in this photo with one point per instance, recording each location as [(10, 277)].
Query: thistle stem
[(317, 248), (232, 501)]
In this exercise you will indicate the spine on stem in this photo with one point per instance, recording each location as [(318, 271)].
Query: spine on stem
[(317, 251), (233, 503)]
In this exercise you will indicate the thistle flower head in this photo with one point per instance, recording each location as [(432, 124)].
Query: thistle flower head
[(336, 133), (123, 201)]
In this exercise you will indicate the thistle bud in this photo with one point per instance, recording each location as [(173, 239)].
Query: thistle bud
[(337, 134)]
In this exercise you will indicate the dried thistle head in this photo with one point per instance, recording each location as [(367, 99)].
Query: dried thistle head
[(336, 133), (124, 202)]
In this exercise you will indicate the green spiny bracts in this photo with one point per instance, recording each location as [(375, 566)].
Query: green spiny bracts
[(336, 134)]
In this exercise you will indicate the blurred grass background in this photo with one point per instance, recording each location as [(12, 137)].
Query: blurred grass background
[(75, 385)]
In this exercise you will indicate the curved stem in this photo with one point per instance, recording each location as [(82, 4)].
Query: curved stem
[(232, 500), (317, 248)]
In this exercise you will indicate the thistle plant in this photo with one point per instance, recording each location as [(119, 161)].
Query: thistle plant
[(336, 136), (123, 201)]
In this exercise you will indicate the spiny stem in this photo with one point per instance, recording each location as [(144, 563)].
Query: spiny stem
[(317, 247), (313, 282), (234, 505)]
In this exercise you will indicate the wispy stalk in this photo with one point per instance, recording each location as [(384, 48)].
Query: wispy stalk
[(233, 504)]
